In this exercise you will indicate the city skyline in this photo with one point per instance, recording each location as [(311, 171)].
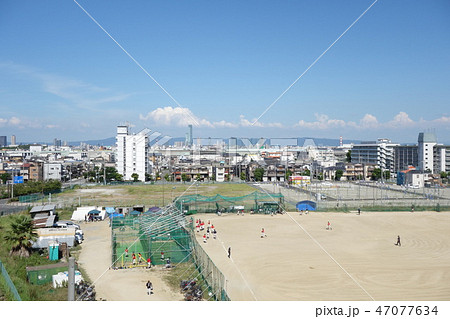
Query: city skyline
[(224, 64)]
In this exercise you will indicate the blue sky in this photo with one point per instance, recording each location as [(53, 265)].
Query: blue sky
[(225, 62)]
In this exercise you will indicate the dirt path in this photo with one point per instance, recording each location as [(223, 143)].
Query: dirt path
[(356, 260), (122, 284)]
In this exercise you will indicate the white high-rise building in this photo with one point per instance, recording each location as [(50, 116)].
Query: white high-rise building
[(132, 153), (426, 144)]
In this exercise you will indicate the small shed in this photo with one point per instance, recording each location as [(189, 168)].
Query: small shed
[(41, 210), (306, 205)]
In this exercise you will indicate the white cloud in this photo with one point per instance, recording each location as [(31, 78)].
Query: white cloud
[(401, 120), (368, 121), (225, 124), (246, 123), (14, 121), (323, 122), (444, 120), (176, 116)]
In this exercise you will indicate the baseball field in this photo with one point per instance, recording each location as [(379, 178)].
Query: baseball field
[(356, 259)]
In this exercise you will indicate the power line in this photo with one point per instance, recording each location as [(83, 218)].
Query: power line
[(136, 62), (312, 64)]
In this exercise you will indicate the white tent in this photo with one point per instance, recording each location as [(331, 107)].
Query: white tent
[(81, 213)]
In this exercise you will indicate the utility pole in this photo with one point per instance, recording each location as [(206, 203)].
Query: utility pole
[(71, 283)]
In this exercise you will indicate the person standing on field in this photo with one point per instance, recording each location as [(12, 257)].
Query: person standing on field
[(398, 241), (149, 286), (229, 252)]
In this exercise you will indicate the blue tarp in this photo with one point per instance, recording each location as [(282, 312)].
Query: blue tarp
[(110, 210), (135, 213), (116, 215), (306, 205)]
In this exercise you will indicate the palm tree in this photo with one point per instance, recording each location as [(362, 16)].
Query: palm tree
[(20, 235)]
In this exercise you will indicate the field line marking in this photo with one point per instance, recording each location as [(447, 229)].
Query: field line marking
[(329, 255), (237, 268)]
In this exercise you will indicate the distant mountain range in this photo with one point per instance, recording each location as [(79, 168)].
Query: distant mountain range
[(111, 141)]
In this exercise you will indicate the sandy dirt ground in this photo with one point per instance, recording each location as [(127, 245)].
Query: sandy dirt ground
[(122, 284), (357, 260)]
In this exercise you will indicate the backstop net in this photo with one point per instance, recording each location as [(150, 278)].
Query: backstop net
[(256, 202), (159, 235)]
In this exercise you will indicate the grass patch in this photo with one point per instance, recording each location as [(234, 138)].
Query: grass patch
[(16, 268)]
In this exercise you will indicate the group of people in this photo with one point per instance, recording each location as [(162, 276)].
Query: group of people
[(139, 258), (210, 229), (306, 211)]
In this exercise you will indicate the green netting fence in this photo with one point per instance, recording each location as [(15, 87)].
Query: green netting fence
[(256, 202), (41, 275), (168, 232), (159, 235), (31, 198), (9, 282)]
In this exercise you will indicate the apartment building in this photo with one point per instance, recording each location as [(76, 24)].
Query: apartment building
[(132, 153), (379, 153)]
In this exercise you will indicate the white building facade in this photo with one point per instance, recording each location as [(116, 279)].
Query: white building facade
[(132, 153), (52, 171), (426, 143)]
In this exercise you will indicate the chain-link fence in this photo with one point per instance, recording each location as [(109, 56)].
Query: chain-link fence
[(346, 196), (208, 270)]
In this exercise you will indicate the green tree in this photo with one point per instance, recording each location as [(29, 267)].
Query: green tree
[(288, 174), (5, 177), (387, 175), (167, 177), (184, 177), (112, 174), (135, 177), (20, 235), (306, 172), (243, 176), (376, 174), (338, 174), (259, 173), (349, 156)]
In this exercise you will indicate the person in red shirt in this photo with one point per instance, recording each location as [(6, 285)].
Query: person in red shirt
[(149, 263), (126, 252), (134, 258), (263, 234)]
